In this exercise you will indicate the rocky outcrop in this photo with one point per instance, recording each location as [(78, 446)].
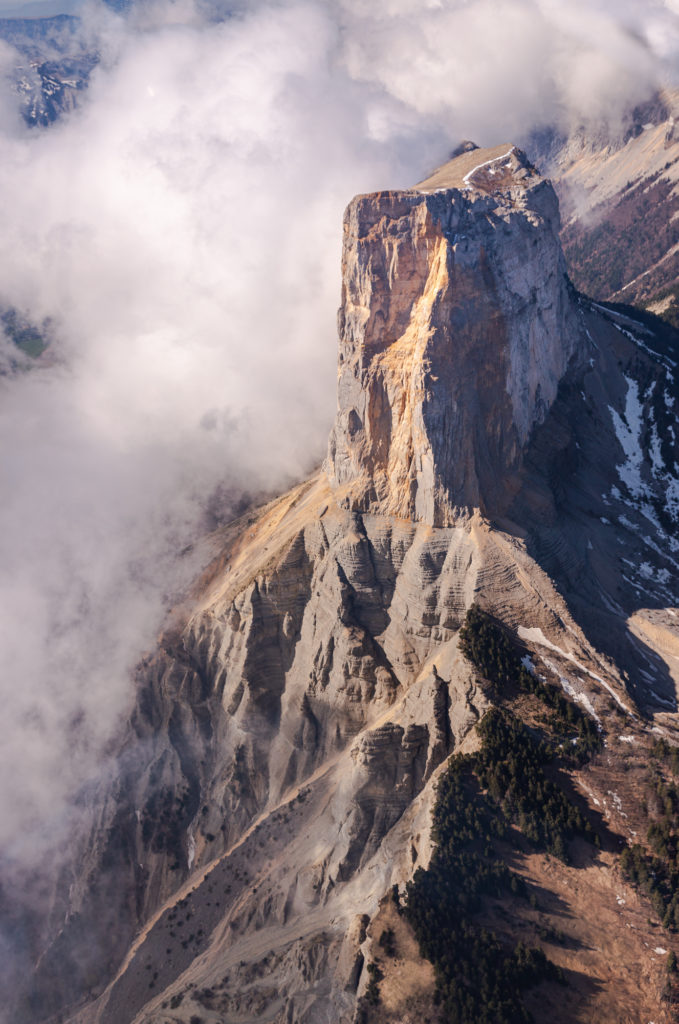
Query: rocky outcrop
[(456, 326)]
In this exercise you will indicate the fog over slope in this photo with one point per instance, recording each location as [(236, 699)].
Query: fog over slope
[(181, 234)]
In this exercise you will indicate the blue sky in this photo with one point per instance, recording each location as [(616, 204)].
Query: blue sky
[(37, 8)]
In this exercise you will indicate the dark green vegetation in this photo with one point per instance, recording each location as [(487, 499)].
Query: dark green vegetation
[(372, 992), (631, 239), (479, 978), (657, 874), (662, 751), (511, 768), (387, 939), (670, 296), (571, 732)]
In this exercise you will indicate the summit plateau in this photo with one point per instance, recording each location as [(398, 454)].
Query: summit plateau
[(501, 444)]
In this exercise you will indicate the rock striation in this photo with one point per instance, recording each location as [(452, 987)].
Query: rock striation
[(456, 326)]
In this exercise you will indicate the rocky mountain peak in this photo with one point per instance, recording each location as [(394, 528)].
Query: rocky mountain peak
[(455, 327)]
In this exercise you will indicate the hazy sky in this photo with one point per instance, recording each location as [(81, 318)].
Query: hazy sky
[(38, 8), (182, 232)]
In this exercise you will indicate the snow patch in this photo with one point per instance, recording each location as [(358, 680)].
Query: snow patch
[(589, 793), (579, 698), (617, 802), (628, 432), (535, 635), (657, 464), (649, 573), (478, 167)]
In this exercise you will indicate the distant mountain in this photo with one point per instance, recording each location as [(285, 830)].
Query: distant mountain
[(619, 197), (37, 37), (55, 67), (49, 89)]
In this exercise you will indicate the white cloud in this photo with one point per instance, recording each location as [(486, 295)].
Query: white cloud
[(183, 232)]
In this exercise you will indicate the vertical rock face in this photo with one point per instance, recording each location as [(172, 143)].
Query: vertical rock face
[(456, 326)]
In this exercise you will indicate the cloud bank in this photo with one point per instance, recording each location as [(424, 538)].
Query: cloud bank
[(181, 234)]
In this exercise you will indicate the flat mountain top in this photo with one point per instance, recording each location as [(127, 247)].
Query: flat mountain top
[(485, 169)]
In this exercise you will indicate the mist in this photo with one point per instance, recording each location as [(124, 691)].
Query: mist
[(180, 234)]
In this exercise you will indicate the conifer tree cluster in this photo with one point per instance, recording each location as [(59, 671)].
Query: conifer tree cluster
[(657, 874), (480, 979), (487, 645)]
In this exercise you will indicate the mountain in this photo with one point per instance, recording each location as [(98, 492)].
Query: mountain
[(618, 193), (54, 65), (485, 567), (34, 37)]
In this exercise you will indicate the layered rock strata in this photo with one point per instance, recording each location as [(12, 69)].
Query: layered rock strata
[(456, 326)]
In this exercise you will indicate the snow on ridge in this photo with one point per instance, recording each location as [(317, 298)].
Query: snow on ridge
[(614, 315), (577, 695), (664, 360), (657, 464), (485, 163), (535, 635)]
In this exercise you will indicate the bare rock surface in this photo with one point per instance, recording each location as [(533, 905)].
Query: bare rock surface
[(456, 326)]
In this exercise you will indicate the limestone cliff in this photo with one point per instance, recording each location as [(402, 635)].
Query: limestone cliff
[(456, 326), (277, 774)]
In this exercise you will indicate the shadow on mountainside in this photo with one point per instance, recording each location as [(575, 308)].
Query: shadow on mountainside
[(597, 507)]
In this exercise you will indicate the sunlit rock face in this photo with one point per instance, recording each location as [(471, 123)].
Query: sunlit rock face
[(457, 323)]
